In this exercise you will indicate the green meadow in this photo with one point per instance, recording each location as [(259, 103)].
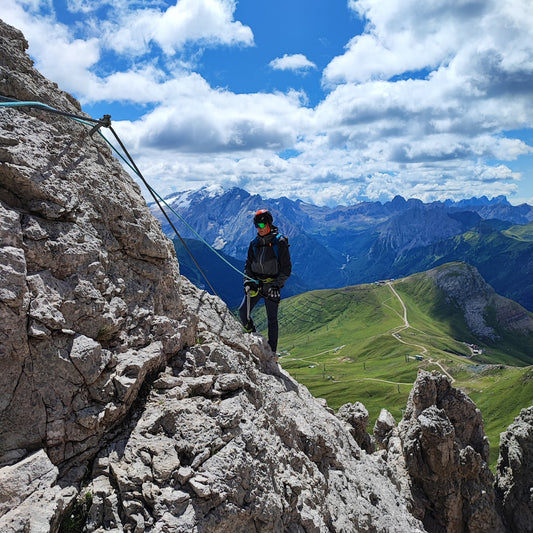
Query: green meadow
[(353, 344)]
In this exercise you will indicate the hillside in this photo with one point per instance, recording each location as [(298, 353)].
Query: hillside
[(353, 344), (502, 253)]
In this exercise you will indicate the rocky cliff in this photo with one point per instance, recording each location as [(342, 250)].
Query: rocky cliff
[(440, 455), (120, 379), (483, 309), (514, 486), (132, 401)]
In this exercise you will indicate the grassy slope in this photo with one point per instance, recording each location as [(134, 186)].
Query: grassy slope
[(520, 232), (340, 344)]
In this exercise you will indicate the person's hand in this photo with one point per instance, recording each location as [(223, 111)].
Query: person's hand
[(250, 286), (274, 294)]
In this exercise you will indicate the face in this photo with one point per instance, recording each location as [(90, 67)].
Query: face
[(263, 231)]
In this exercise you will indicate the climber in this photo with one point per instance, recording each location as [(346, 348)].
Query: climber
[(267, 268)]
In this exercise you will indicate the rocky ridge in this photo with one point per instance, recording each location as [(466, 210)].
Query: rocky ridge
[(446, 453), (122, 381), (465, 288), (120, 378), (514, 486)]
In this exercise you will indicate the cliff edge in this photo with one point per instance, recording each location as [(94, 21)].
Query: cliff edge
[(123, 381)]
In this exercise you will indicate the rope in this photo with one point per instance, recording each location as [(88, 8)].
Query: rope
[(155, 194), (152, 192), (11, 102), (201, 239), (106, 122)]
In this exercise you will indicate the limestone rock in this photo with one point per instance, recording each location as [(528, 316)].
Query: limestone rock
[(88, 302), (356, 416), (446, 457), (264, 458), (30, 499), (142, 389), (514, 483), (384, 428)]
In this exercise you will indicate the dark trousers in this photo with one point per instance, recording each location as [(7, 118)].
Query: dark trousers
[(272, 317)]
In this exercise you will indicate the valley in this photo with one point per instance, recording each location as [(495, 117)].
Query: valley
[(362, 243), (367, 343), (348, 337)]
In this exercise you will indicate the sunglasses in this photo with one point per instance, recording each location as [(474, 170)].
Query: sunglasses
[(260, 225)]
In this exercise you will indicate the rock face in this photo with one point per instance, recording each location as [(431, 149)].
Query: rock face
[(464, 287), (419, 226), (88, 303), (221, 446), (441, 446), (514, 485), (356, 416), (120, 378), (30, 498)]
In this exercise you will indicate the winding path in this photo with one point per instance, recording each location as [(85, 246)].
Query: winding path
[(396, 334), (405, 321), (406, 325)]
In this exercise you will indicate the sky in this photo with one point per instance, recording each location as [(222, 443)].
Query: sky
[(327, 101)]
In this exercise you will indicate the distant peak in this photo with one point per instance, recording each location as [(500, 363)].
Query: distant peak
[(474, 201), (398, 200)]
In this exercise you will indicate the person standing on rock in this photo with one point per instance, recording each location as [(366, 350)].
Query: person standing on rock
[(268, 266)]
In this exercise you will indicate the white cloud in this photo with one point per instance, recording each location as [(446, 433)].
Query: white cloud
[(70, 60), (209, 22), (419, 105), (407, 35), (443, 132), (292, 62), (58, 55), (198, 119)]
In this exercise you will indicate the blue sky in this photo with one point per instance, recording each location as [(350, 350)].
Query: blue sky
[(329, 101)]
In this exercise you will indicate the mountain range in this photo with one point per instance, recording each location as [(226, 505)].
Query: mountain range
[(366, 242)]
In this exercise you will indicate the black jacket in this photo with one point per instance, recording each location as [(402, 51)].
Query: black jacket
[(262, 263)]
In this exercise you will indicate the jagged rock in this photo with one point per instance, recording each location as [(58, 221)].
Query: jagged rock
[(356, 416), (262, 458), (384, 428), (514, 481), (93, 311), (446, 456), (88, 307)]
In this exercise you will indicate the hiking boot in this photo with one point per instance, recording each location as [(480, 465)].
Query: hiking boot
[(249, 327)]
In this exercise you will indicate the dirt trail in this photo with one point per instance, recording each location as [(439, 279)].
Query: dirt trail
[(396, 334)]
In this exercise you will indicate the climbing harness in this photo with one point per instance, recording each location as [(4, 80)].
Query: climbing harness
[(105, 122)]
